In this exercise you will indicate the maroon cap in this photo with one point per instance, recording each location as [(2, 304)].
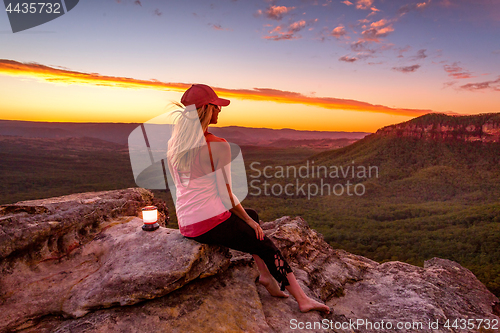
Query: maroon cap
[(201, 94)]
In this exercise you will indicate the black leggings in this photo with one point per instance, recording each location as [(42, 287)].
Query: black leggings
[(236, 234)]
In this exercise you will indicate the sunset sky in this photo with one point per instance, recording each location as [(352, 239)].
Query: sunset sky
[(352, 65)]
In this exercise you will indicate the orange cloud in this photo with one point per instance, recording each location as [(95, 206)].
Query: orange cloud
[(338, 31), (289, 33), (373, 34), (377, 30), (55, 75), (297, 26), (364, 4), (379, 24), (276, 12), (63, 76)]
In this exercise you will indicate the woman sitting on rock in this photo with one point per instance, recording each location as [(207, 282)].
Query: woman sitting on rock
[(207, 210)]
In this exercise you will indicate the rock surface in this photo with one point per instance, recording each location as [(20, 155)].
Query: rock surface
[(120, 265), (127, 280)]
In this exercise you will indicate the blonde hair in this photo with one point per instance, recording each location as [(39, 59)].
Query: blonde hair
[(187, 139)]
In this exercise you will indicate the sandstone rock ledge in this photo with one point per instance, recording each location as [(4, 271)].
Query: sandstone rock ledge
[(118, 278)]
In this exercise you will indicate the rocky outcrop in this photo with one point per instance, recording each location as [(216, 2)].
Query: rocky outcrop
[(113, 263), (483, 128), (126, 280), (52, 228)]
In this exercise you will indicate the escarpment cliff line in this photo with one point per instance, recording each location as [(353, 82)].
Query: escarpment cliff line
[(482, 127)]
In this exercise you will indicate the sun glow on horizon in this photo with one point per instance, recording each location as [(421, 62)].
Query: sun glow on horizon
[(60, 95), (125, 99), (90, 104)]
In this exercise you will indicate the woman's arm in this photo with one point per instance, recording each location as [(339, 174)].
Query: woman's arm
[(242, 214), (221, 155)]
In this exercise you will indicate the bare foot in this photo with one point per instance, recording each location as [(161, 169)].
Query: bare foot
[(272, 286), (310, 305)]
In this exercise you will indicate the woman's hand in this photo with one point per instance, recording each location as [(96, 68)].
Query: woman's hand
[(242, 214), (258, 230)]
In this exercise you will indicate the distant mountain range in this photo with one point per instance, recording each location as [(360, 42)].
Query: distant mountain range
[(111, 132), (119, 132)]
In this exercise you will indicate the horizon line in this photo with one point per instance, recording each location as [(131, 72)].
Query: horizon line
[(131, 123)]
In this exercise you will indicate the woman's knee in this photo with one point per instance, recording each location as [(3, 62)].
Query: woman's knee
[(253, 214)]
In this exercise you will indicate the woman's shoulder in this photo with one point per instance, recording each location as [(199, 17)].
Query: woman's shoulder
[(212, 138)]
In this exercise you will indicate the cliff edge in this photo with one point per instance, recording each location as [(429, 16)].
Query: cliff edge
[(482, 127), (82, 263)]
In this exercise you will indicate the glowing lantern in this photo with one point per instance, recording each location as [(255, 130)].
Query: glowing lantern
[(149, 217)]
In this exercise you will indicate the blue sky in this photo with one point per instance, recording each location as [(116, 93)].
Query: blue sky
[(433, 55)]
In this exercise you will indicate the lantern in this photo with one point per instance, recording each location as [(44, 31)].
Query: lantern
[(149, 217)]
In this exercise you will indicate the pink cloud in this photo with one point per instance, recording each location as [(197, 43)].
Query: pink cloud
[(378, 24), (373, 34), (413, 6), (281, 37), (445, 3), (361, 49), (359, 46), (422, 5), (338, 31), (402, 50), (297, 26), (407, 69), (348, 59), (275, 30), (287, 34), (493, 85), (457, 72), (376, 30), (276, 12), (347, 2), (364, 4), (218, 27), (420, 55)]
